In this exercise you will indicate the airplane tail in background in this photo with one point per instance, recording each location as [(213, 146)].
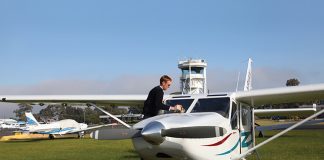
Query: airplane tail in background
[(248, 78), (31, 120)]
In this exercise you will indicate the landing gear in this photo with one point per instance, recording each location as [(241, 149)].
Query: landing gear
[(261, 134), (81, 134), (51, 136)]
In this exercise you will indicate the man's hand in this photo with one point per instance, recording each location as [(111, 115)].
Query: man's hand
[(180, 108)]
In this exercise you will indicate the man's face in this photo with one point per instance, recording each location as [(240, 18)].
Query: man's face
[(166, 85)]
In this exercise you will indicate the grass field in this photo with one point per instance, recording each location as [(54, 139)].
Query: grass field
[(67, 149), (296, 145)]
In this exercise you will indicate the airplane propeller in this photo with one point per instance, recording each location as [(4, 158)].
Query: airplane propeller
[(155, 133), (115, 134)]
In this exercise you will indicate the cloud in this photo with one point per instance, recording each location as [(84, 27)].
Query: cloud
[(224, 80), (218, 80), (273, 77), (125, 84)]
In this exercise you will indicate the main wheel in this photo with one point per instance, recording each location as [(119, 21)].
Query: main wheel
[(51, 136)]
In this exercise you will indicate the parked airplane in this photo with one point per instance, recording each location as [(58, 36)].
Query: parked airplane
[(9, 124), (8, 121), (66, 126), (214, 126)]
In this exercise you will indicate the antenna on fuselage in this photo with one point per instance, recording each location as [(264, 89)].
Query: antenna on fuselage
[(238, 80)]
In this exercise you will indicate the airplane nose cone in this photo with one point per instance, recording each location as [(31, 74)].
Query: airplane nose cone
[(152, 133)]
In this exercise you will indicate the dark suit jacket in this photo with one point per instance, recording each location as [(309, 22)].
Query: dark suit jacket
[(153, 103)]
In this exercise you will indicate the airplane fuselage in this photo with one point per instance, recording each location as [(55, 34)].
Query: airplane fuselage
[(59, 127), (233, 134)]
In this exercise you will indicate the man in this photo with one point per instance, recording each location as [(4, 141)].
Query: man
[(153, 103)]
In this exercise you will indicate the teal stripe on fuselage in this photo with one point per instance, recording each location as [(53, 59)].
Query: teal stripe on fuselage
[(58, 130), (232, 149), (244, 143), (246, 136)]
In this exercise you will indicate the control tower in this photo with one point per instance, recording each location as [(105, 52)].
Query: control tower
[(193, 78)]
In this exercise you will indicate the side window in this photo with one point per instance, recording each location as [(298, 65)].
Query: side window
[(234, 116), (246, 116)]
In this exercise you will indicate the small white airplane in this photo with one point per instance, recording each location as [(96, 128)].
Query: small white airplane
[(8, 121), (9, 124), (214, 126), (66, 126)]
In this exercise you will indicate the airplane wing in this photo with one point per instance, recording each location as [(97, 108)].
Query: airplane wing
[(93, 100), (76, 99), (90, 129), (307, 93), (100, 126)]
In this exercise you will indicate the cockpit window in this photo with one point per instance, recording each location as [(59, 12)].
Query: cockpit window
[(218, 105), (184, 102)]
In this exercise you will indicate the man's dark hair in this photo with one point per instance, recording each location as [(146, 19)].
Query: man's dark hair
[(165, 78)]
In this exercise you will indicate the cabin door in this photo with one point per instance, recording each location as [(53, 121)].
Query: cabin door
[(245, 127), (235, 128)]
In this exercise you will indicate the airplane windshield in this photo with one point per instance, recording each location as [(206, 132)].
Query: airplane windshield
[(184, 102), (218, 105)]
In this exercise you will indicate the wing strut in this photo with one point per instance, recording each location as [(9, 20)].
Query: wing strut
[(277, 135), (112, 116)]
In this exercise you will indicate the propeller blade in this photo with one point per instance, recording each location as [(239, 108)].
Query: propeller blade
[(114, 134), (194, 132)]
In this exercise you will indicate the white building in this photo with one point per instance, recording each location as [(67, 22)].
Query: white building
[(193, 78)]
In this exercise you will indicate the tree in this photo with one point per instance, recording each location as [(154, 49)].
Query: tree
[(20, 112), (59, 112), (114, 109), (91, 116), (50, 112), (69, 112), (292, 82)]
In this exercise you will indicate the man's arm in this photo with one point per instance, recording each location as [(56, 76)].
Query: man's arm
[(159, 99)]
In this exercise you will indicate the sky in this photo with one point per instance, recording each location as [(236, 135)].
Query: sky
[(123, 47)]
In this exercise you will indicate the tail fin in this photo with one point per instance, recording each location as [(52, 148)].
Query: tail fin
[(31, 120), (248, 78)]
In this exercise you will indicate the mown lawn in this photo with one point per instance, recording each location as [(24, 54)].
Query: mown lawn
[(296, 145), (67, 149)]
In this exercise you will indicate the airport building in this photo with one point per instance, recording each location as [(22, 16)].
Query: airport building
[(193, 78)]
